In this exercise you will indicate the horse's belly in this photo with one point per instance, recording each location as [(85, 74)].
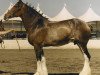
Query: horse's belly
[(57, 42), (57, 38)]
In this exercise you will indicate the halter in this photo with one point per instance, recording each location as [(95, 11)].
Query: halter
[(17, 41)]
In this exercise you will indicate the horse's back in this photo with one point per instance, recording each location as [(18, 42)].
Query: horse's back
[(75, 24), (72, 28)]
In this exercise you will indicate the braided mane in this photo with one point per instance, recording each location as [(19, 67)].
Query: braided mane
[(32, 9)]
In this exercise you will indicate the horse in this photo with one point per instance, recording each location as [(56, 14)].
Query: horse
[(43, 33)]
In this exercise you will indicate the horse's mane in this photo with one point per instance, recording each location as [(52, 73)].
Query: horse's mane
[(32, 9)]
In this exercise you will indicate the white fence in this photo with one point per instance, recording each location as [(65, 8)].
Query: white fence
[(13, 44)]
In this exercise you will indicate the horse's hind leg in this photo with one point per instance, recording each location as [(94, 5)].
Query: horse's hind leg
[(83, 48), (41, 62), (86, 69)]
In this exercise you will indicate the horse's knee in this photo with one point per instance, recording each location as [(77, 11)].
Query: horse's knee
[(39, 53)]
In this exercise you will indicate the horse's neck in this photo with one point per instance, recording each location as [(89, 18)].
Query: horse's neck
[(30, 22)]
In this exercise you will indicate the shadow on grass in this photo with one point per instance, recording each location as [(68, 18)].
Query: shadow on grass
[(26, 73), (49, 74), (2, 72)]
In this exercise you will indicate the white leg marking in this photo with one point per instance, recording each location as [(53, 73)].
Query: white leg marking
[(41, 67), (86, 69), (44, 68), (38, 68)]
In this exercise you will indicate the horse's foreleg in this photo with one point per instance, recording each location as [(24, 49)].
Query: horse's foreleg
[(41, 61), (84, 49), (86, 69)]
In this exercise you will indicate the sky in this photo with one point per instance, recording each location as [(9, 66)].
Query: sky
[(53, 7)]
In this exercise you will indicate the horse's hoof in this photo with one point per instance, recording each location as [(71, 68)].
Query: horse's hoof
[(36, 73)]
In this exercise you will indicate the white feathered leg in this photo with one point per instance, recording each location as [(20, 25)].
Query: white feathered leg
[(44, 68), (41, 67), (38, 68), (86, 69)]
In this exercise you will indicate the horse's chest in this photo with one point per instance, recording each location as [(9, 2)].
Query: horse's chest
[(37, 37)]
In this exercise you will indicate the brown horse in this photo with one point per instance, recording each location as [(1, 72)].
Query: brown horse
[(42, 32)]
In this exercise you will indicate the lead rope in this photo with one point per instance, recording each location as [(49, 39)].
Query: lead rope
[(17, 41), (16, 37)]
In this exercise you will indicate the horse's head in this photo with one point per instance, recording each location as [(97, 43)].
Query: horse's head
[(16, 11)]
